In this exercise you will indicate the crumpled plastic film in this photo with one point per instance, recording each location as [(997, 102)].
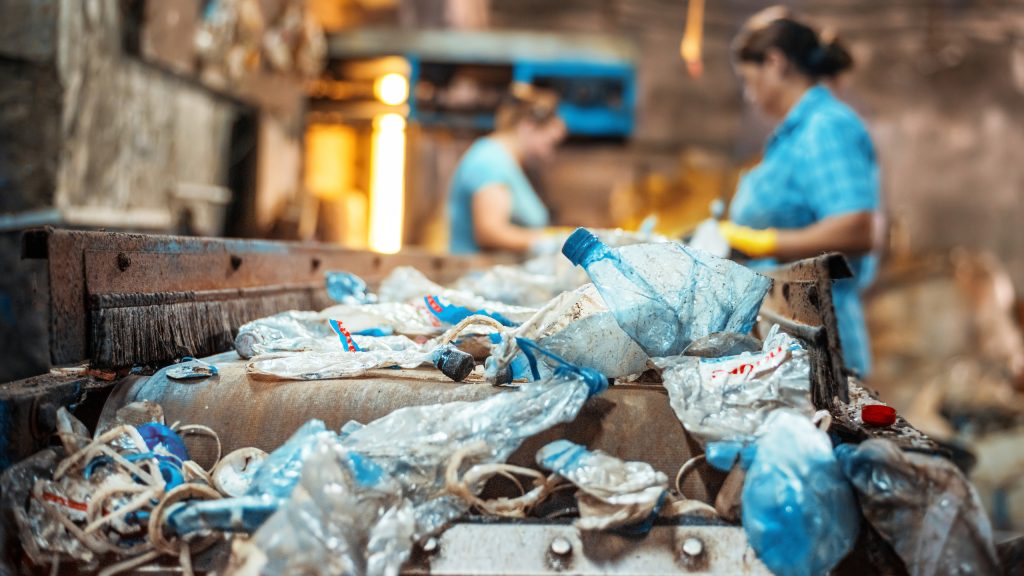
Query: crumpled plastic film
[(667, 295), (314, 365), (38, 535), (922, 505), (612, 492), (288, 331), (297, 331), (407, 284), (729, 398), (366, 495), (346, 516), (799, 512), (414, 444)]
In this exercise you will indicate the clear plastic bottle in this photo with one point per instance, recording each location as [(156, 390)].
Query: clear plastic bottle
[(666, 295)]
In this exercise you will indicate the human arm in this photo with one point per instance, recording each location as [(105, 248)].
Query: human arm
[(492, 221), (852, 234)]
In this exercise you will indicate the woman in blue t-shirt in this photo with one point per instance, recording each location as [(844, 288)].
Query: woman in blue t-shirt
[(817, 188), (491, 203)]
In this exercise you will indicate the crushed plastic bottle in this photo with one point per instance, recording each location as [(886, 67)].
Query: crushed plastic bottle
[(666, 295), (730, 398), (923, 506), (578, 327), (347, 288), (799, 512), (314, 365), (612, 493)]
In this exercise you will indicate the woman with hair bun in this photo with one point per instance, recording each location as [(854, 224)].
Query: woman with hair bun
[(491, 203), (817, 188)]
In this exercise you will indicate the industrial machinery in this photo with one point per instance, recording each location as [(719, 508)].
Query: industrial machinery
[(195, 293)]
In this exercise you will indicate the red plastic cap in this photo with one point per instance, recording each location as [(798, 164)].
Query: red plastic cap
[(878, 415)]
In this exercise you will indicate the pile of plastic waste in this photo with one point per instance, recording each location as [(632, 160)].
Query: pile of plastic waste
[(358, 499)]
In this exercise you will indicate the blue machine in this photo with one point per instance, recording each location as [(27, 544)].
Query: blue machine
[(458, 77)]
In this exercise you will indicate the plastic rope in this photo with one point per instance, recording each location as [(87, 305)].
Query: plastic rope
[(687, 467)]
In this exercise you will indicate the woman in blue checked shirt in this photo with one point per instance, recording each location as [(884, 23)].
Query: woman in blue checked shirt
[(816, 189)]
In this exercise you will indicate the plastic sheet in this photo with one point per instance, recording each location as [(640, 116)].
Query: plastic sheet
[(730, 398), (612, 493), (666, 295), (314, 365), (922, 505), (799, 512)]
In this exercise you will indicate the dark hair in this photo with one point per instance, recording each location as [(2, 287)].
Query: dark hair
[(526, 102), (816, 54)]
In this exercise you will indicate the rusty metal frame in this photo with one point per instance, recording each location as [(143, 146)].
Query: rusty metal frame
[(89, 268), (800, 302)]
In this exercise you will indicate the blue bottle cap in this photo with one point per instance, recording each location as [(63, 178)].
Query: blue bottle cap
[(580, 245)]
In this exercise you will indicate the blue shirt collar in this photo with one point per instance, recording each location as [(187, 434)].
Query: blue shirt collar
[(811, 100)]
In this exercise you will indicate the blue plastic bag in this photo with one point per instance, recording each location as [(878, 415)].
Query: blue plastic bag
[(799, 512)]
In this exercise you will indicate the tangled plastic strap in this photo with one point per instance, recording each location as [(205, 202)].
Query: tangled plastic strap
[(467, 486), (596, 382), (141, 482)]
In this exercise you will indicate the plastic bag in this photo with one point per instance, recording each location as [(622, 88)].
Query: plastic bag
[(799, 512), (923, 506), (313, 365), (612, 492), (666, 295), (730, 398)]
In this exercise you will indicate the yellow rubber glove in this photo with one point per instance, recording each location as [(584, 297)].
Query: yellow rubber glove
[(753, 243)]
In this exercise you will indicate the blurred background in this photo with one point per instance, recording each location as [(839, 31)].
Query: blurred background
[(342, 121)]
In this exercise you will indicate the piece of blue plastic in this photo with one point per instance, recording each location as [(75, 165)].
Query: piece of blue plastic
[(159, 435), (347, 288), (799, 512), (665, 295)]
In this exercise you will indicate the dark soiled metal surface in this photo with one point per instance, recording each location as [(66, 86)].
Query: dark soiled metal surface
[(85, 267), (800, 301), (634, 422)]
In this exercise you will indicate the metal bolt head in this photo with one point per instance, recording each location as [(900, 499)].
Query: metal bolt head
[(693, 547), (561, 547)]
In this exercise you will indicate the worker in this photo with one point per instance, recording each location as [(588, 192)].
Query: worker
[(816, 189), (491, 203)]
